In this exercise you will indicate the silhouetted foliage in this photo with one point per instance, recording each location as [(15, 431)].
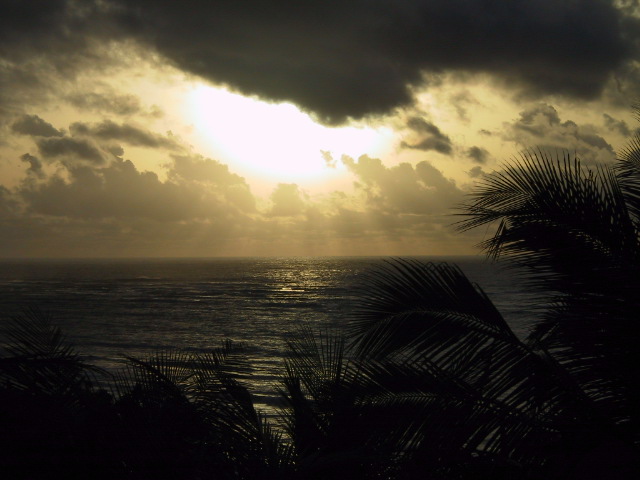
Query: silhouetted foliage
[(172, 416)]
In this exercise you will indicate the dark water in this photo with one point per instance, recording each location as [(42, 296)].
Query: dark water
[(112, 307)]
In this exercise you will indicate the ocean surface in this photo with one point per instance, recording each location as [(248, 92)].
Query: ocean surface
[(110, 308)]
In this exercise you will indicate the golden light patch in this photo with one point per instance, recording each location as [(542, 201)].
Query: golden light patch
[(276, 141)]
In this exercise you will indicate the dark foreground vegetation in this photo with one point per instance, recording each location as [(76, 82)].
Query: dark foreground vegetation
[(427, 381)]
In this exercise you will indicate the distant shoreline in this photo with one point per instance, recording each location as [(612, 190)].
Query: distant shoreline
[(214, 258)]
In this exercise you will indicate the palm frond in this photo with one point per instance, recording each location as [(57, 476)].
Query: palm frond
[(315, 370), (34, 335), (38, 358), (399, 301), (552, 214), (425, 333), (334, 414), (575, 232), (628, 171), (202, 398)]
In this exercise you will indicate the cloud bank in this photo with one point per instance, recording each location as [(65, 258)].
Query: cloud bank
[(81, 196), (338, 60)]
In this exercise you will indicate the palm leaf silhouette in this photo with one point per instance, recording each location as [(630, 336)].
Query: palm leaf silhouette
[(574, 231), (628, 171), (50, 406), (197, 407), (434, 341), (37, 358)]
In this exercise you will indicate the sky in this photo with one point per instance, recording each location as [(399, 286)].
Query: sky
[(157, 128)]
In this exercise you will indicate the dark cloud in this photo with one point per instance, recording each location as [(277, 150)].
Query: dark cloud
[(133, 135), (431, 138), (614, 125), (23, 86), (352, 58), (121, 191), (45, 47), (476, 172), (34, 125), (341, 59), (595, 141), (461, 101), (478, 154), (81, 149), (540, 126), (35, 165), (118, 190), (538, 119), (65, 28), (107, 103)]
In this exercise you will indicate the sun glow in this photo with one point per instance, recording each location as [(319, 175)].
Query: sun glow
[(276, 141)]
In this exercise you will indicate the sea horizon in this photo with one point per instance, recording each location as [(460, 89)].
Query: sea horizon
[(114, 307), (240, 257)]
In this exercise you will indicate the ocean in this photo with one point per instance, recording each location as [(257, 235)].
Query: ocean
[(110, 308)]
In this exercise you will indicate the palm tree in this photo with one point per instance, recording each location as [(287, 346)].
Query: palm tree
[(576, 231), (562, 404)]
